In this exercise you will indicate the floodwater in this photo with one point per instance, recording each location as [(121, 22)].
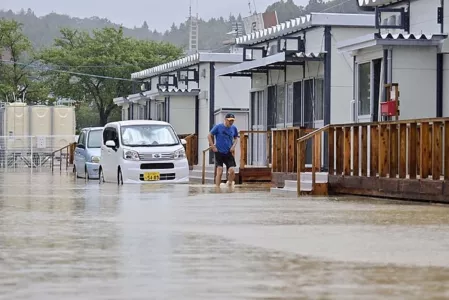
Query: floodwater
[(62, 238)]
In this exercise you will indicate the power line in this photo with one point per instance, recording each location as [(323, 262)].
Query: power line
[(68, 72)]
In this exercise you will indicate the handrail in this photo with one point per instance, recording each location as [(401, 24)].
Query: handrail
[(311, 134), (203, 174), (60, 151), (189, 136), (406, 121), (298, 157)]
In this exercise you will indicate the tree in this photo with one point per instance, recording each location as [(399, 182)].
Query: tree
[(105, 56), (18, 78)]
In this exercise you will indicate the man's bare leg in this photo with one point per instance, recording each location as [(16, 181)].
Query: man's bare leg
[(218, 176), (231, 176)]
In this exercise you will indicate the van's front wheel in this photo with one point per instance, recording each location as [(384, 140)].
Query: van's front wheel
[(119, 177)]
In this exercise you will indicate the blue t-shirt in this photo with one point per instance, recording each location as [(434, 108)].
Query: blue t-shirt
[(224, 137)]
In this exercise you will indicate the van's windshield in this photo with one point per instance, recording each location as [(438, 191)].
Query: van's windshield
[(95, 138), (148, 135)]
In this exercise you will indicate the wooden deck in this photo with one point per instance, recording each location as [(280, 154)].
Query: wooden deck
[(406, 159), (255, 174)]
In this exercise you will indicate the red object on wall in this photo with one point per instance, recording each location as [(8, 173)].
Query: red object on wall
[(388, 108)]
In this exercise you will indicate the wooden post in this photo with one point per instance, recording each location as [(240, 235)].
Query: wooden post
[(355, 151), (424, 151), (437, 150), (331, 144), (298, 168), (412, 150)]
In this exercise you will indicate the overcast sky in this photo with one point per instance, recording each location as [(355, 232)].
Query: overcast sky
[(159, 14)]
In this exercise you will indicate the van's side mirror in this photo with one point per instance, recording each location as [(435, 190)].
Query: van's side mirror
[(80, 146), (183, 141), (110, 144)]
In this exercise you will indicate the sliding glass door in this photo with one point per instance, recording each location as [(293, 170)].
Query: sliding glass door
[(259, 122)]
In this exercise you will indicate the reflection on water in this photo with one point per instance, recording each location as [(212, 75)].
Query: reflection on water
[(62, 238)]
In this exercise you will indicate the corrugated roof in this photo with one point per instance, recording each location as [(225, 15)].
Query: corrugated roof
[(406, 36), (372, 39), (310, 55), (377, 2), (188, 61), (176, 90), (310, 20)]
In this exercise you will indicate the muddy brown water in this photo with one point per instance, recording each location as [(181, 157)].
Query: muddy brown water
[(62, 238)]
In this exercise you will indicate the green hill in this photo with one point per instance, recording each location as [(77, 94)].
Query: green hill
[(43, 30)]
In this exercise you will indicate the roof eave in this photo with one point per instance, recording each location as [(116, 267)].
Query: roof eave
[(313, 20), (188, 61)]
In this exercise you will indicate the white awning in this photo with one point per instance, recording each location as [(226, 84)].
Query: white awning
[(120, 101), (389, 39), (251, 64), (171, 91), (264, 63)]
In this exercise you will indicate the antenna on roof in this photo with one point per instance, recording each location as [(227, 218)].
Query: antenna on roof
[(193, 32)]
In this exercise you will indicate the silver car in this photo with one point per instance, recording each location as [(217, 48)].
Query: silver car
[(87, 153)]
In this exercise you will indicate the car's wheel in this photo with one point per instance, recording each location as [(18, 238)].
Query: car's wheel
[(119, 177), (86, 175), (100, 176), (76, 172)]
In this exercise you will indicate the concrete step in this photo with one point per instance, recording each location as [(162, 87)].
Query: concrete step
[(290, 186), (208, 174), (320, 177), (210, 168), (283, 191)]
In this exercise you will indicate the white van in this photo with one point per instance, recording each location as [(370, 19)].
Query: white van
[(141, 151)]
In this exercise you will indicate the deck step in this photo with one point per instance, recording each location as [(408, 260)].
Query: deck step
[(290, 186), (196, 175)]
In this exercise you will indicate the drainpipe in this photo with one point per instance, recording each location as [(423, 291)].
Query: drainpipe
[(197, 114), (440, 62), (390, 65), (439, 85), (442, 18), (327, 91), (354, 88), (211, 103), (387, 75)]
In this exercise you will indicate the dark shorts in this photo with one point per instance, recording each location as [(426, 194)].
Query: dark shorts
[(227, 159)]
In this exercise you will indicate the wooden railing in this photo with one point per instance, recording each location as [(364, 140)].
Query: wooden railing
[(203, 170), (400, 149), (248, 137), (69, 156), (407, 149), (192, 149), (316, 137), (285, 149)]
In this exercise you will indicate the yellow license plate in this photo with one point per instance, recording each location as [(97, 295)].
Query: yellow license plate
[(151, 176)]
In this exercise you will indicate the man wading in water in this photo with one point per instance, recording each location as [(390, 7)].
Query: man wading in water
[(226, 137)]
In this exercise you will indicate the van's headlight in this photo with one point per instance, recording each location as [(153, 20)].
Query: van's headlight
[(95, 159), (179, 154), (130, 155)]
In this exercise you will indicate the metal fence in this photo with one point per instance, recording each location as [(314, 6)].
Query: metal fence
[(35, 152)]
